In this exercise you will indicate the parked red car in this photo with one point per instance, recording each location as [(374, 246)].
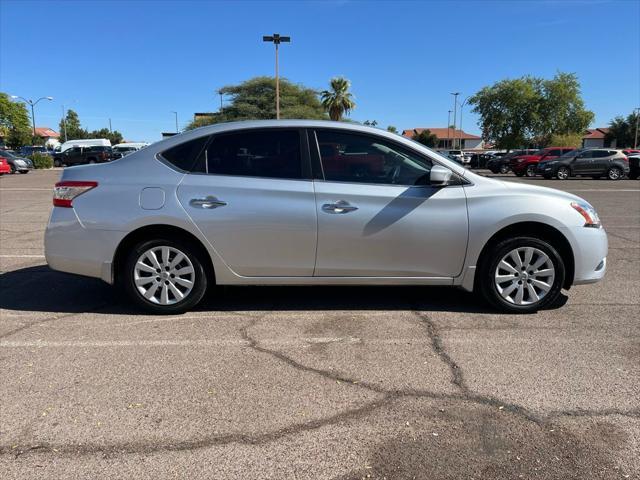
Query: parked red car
[(4, 166), (527, 164)]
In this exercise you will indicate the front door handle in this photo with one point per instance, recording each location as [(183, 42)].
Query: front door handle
[(341, 206), (208, 202)]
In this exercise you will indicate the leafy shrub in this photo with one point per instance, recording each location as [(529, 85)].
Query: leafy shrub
[(40, 160)]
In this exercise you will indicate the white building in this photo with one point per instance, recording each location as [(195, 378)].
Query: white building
[(447, 137)]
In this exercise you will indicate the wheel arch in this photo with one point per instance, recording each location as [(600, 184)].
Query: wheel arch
[(148, 232), (539, 230)]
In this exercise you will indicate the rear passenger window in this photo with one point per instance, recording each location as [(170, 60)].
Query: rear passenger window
[(262, 153), (600, 154), (185, 155)]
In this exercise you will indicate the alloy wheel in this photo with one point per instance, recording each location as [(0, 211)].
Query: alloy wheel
[(614, 173), (531, 171), (164, 275), (563, 173), (524, 276)]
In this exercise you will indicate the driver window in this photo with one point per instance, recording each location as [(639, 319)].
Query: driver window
[(361, 158)]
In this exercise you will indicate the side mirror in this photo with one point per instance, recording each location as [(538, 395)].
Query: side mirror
[(440, 176)]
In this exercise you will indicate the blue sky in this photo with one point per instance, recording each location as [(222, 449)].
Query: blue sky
[(137, 61)]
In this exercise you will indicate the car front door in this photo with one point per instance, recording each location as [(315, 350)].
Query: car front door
[(377, 214), (252, 197), (73, 155), (582, 163)]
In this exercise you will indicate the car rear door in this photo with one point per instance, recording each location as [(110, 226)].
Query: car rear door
[(602, 161), (377, 214), (252, 197)]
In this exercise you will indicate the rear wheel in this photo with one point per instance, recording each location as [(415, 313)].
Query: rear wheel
[(563, 173), (57, 163), (504, 169), (521, 275), (164, 276), (531, 171), (614, 173)]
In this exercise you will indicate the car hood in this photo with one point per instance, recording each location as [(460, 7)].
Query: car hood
[(527, 189)]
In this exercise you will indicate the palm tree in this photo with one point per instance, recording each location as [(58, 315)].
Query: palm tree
[(338, 101)]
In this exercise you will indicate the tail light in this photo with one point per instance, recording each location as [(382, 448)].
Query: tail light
[(65, 192), (625, 158)]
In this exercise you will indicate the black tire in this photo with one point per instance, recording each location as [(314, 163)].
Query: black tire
[(126, 279), (13, 168), (504, 169), (57, 163), (531, 171), (24, 171), (614, 173), (563, 173), (485, 283)]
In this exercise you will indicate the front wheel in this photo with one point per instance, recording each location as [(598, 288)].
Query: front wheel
[(563, 173), (504, 169), (164, 276), (531, 171), (57, 163), (521, 275), (614, 173)]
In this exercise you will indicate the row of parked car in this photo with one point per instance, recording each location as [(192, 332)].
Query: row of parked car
[(565, 162), (11, 162)]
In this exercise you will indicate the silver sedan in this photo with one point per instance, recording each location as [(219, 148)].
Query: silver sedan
[(315, 203)]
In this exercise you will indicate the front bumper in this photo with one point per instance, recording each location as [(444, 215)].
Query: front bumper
[(590, 247), (72, 248)]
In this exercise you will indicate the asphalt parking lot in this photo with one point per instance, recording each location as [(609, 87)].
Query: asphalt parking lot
[(335, 383)]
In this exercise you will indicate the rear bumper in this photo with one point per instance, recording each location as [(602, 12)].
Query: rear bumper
[(72, 248)]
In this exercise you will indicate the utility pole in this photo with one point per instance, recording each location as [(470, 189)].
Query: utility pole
[(33, 115), (110, 129), (176, 114), (455, 110), (635, 142), (220, 93), (64, 122), (276, 39), (449, 129)]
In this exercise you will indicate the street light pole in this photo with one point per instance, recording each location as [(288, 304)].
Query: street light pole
[(461, 107), (449, 129), (33, 114), (455, 110), (635, 141), (176, 114), (276, 39)]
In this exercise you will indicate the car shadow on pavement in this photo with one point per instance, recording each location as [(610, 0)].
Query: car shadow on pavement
[(40, 289)]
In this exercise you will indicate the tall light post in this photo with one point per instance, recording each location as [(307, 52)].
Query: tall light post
[(33, 115), (276, 39), (449, 129), (461, 107), (635, 141), (455, 110), (64, 122), (176, 114)]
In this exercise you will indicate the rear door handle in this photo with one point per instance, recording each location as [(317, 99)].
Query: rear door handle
[(208, 202), (341, 206)]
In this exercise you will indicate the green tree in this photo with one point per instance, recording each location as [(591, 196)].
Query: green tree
[(530, 110), (74, 130), (114, 136), (623, 130), (392, 129), (15, 127), (338, 101), (426, 138), (255, 99), (566, 140)]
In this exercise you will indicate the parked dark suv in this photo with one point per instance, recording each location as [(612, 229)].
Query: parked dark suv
[(78, 155), (592, 162), (500, 164)]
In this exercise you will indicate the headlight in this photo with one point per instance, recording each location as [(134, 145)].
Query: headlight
[(520, 160), (20, 163), (588, 213)]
